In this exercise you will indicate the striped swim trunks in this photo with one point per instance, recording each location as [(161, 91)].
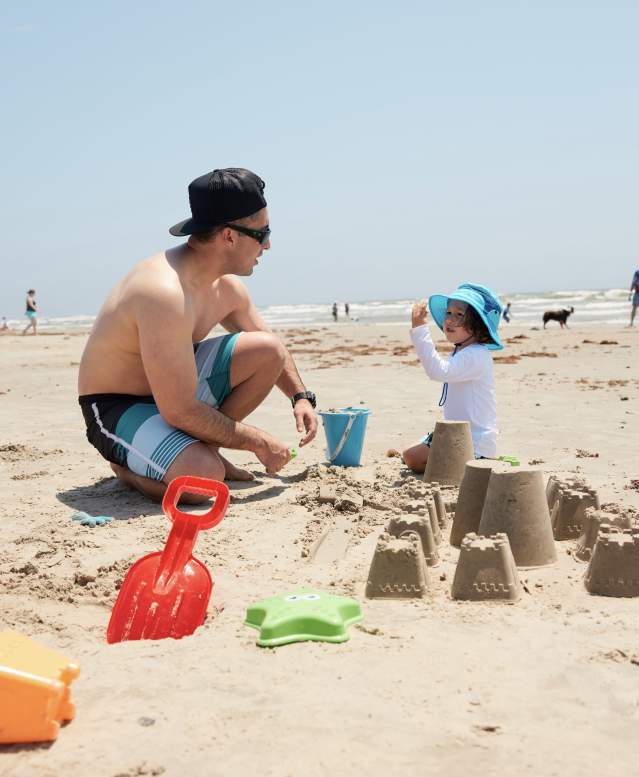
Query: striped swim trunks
[(128, 429)]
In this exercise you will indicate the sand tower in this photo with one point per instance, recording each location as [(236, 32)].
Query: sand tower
[(472, 493), (486, 570), (516, 504), (398, 569), (420, 525), (593, 521), (451, 448), (569, 511), (614, 567)]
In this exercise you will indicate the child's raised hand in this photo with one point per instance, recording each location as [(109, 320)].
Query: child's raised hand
[(420, 313)]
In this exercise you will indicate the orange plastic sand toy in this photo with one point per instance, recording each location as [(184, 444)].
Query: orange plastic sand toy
[(35, 697)]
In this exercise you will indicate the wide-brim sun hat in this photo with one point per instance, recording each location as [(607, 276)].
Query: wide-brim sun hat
[(484, 301)]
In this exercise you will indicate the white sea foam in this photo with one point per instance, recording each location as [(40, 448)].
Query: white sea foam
[(592, 307)]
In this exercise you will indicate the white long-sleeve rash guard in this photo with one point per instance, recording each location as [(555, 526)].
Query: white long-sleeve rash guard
[(471, 388)]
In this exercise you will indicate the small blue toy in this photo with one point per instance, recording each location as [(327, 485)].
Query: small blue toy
[(84, 519)]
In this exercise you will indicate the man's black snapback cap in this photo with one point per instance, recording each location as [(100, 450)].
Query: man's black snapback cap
[(219, 197)]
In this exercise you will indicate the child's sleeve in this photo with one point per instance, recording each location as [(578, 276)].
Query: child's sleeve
[(467, 364)]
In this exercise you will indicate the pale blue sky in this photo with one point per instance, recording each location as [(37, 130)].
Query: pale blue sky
[(406, 146)]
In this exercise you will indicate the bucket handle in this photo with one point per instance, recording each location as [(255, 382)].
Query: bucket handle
[(342, 442)]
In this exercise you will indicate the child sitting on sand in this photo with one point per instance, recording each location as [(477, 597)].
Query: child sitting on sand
[(469, 318)]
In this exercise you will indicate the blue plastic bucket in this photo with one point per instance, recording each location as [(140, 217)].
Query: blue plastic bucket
[(345, 429)]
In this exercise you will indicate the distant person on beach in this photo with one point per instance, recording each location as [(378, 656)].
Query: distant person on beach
[(469, 318), (4, 327), (31, 313), (334, 311), (506, 313), (159, 400), (347, 310), (634, 297)]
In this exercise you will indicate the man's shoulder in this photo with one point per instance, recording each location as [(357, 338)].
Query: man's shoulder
[(230, 286), (153, 276)]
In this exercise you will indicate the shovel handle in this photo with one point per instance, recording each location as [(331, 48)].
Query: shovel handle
[(194, 485)]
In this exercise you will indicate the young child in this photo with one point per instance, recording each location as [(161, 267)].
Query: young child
[(469, 318)]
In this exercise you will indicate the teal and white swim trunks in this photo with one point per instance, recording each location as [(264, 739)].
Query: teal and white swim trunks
[(129, 430)]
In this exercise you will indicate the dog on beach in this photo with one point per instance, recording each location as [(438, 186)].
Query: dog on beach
[(558, 315)]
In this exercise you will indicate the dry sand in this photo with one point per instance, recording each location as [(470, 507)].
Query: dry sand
[(548, 686)]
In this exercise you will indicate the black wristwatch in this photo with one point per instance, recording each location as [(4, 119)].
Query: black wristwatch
[(304, 395)]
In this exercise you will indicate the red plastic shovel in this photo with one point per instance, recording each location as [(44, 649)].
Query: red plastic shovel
[(166, 594)]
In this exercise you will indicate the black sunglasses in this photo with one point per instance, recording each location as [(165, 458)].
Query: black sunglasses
[(261, 235)]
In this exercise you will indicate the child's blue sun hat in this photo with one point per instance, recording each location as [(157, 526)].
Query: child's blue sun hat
[(481, 298)]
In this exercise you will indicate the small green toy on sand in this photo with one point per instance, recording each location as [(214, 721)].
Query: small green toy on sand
[(304, 614), (512, 460)]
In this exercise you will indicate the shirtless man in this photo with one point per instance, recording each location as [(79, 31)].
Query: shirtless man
[(158, 399)]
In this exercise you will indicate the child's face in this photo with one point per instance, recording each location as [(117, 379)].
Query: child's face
[(454, 327)]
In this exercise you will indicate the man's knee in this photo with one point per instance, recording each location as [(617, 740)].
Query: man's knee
[(269, 347), (198, 460)]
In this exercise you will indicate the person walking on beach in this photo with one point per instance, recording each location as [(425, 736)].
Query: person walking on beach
[(506, 313), (31, 313), (633, 296), (347, 310), (334, 311), (469, 318), (158, 397)]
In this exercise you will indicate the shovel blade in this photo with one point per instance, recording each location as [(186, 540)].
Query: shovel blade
[(144, 610)]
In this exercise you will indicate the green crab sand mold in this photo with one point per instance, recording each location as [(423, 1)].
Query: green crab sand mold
[(302, 615)]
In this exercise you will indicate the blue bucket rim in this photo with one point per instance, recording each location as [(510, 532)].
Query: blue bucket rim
[(345, 411)]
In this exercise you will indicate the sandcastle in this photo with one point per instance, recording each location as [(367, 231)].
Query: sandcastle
[(593, 520), (556, 486), (398, 569), (472, 493), (486, 570), (516, 504), (420, 525), (450, 449), (569, 511), (614, 567)]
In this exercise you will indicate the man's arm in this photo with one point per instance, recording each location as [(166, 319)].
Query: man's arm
[(245, 317), (166, 348)]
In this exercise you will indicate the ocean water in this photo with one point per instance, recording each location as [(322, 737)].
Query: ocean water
[(592, 308)]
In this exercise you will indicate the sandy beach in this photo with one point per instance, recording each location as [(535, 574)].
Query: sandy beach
[(547, 686)]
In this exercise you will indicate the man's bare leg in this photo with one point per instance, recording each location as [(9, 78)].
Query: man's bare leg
[(197, 459), (258, 359)]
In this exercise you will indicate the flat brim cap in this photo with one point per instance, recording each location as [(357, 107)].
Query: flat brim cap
[(220, 197), (484, 301)]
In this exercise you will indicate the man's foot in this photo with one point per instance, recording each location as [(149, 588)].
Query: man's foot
[(231, 472)]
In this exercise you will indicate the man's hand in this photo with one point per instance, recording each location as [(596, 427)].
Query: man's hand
[(272, 453), (305, 419), (420, 313)]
